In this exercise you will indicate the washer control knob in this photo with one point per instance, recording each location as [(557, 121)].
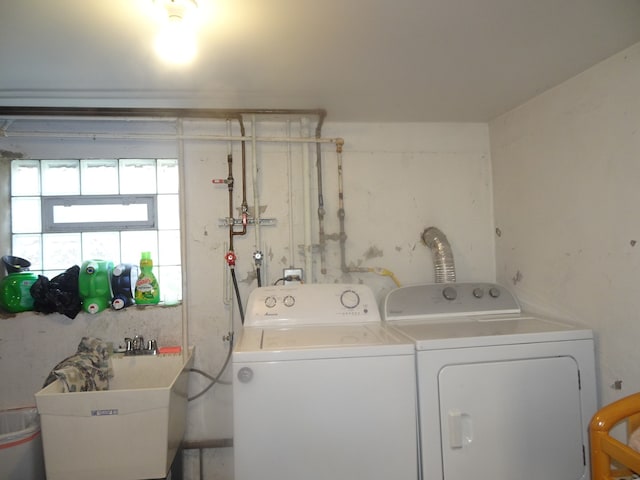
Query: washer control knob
[(450, 293), (270, 301), (289, 301), (245, 375), (350, 299), (494, 292), (478, 292)]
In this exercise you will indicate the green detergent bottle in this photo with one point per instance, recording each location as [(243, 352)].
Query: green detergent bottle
[(94, 285), (15, 295), (147, 289)]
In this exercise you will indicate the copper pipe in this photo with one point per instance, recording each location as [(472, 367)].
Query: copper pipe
[(230, 189), (244, 207)]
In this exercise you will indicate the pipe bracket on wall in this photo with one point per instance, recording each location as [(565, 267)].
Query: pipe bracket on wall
[(226, 222)]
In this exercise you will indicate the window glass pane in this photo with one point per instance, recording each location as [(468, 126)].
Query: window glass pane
[(137, 176), (99, 177), (168, 212), (102, 245), (100, 213), (25, 177), (170, 281), (168, 176), (61, 250), (25, 215), (52, 273), (169, 247), (135, 242), (60, 177), (30, 248)]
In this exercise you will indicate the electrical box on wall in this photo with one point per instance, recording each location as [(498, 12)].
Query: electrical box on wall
[(292, 275)]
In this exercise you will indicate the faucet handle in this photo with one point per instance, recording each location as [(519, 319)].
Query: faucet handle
[(138, 342)]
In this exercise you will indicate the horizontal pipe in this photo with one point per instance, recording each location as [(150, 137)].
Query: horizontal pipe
[(132, 112), (152, 136)]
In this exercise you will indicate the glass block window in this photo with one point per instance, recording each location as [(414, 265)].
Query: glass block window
[(64, 212)]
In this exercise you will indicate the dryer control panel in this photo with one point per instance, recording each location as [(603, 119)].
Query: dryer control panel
[(311, 304), (437, 300)]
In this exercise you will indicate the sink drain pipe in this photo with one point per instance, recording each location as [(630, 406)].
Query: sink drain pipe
[(445, 270)]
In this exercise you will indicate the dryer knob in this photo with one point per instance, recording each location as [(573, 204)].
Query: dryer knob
[(478, 292), (450, 293), (245, 375), (494, 292)]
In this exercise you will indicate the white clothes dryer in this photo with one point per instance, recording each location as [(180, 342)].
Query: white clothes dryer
[(322, 390), (502, 395)]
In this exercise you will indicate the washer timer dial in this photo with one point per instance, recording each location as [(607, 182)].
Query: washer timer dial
[(270, 301), (349, 299)]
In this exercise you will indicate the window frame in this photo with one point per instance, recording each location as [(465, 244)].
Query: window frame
[(50, 202)]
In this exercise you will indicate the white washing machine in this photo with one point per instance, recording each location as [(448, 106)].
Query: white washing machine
[(502, 395), (321, 389)]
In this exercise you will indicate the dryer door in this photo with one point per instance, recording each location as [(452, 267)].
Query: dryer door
[(512, 419)]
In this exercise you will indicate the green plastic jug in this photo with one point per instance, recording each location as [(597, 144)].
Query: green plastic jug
[(15, 295), (94, 285)]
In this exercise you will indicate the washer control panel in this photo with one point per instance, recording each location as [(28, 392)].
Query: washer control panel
[(434, 300), (311, 304)]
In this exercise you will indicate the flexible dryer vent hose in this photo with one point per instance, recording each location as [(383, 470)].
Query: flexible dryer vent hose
[(445, 269)]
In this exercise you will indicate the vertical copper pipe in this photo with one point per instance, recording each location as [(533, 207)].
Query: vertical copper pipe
[(244, 207), (230, 189)]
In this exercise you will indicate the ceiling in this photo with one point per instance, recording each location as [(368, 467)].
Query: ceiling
[(362, 60)]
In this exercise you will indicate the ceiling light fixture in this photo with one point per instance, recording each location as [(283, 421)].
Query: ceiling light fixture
[(176, 39), (177, 10)]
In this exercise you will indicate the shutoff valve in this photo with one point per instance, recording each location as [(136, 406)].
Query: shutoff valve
[(231, 258)]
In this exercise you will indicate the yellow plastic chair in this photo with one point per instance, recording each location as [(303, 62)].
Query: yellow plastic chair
[(610, 458)]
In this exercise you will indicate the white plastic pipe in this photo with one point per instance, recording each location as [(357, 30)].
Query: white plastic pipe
[(292, 245), (254, 182), (185, 245), (164, 136), (306, 188)]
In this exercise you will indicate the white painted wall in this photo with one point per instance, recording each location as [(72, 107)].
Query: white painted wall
[(398, 180), (566, 171)]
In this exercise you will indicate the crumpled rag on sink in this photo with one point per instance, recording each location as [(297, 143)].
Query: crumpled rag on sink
[(87, 370)]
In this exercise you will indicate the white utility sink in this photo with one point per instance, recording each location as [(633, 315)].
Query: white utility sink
[(131, 431)]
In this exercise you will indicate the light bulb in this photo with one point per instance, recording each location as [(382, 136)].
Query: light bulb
[(176, 42), (176, 39)]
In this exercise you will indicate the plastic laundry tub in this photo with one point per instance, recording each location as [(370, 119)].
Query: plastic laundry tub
[(20, 445)]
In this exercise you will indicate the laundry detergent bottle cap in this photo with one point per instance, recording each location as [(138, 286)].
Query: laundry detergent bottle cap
[(147, 291)]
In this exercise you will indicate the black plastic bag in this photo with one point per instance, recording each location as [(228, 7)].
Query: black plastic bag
[(60, 294)]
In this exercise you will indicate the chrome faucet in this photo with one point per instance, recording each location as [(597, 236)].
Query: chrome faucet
[(136, 346)]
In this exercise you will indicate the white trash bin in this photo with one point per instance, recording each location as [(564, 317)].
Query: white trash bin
[(21, 455)]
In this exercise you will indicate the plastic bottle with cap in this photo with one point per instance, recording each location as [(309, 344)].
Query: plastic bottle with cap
[(147, 290), (94, 285), (15, 288)]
